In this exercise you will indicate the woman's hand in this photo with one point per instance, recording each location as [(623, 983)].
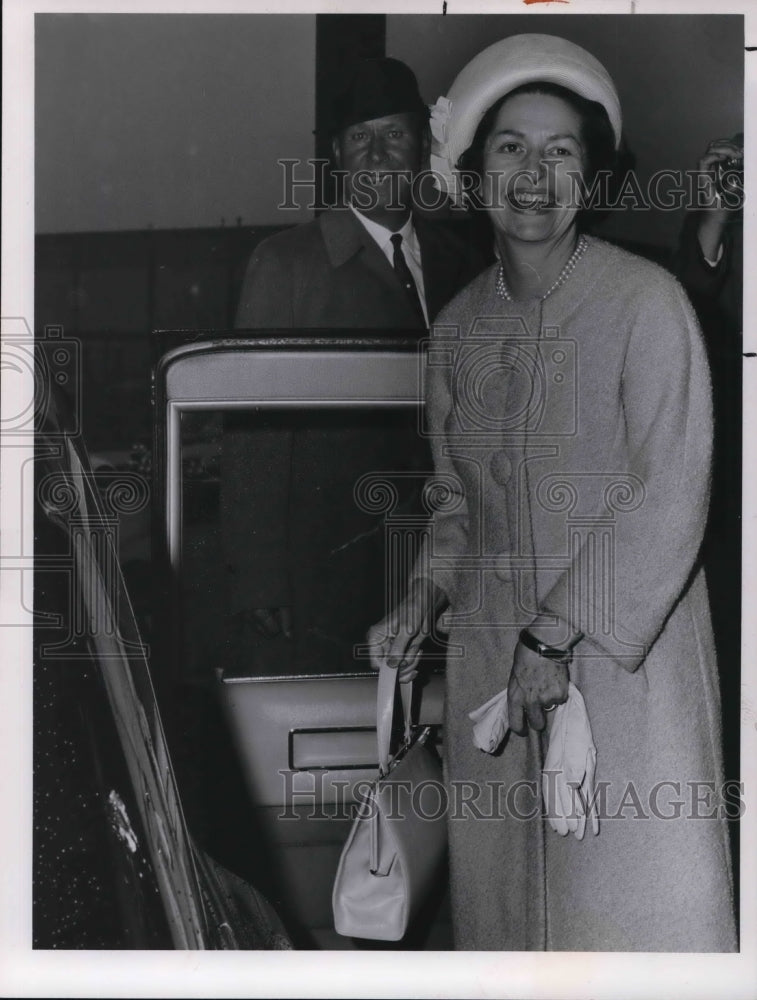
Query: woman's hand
[(535, 684), (396, 640)]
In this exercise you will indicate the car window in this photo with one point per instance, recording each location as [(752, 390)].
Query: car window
[(299, 528)]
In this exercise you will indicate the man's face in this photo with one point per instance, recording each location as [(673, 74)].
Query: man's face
[(380, 158)]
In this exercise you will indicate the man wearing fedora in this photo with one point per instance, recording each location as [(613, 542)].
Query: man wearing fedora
[(343, 270), (371, 263)]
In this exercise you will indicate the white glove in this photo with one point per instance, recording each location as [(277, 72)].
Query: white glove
[(490, 722), (568, 776)]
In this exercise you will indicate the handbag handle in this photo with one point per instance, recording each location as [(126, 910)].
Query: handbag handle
[(387, 681)]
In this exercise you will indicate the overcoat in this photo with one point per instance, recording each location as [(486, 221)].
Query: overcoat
[(291, 532), (330, 273), (572, 443)]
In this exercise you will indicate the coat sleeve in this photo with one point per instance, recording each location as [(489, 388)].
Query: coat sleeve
[(446, 494), (256, 462), (668, 441), (702, 281)]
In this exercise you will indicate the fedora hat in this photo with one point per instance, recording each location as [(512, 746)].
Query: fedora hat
[(374, 89)]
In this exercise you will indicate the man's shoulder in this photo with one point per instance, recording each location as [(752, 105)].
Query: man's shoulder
[(293, 242), (333, 237)]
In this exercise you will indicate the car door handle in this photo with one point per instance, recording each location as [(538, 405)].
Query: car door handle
[(333, 748)]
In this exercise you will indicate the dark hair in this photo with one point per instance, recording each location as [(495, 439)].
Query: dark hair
[(597, 134)]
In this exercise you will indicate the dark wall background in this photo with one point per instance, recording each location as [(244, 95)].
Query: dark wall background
[(168, 121)]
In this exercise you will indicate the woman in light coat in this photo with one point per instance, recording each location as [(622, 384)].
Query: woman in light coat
[(568, 403)]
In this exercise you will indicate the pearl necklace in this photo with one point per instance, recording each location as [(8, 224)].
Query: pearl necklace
[(581, 247)]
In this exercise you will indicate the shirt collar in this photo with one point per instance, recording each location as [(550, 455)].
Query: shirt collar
[(383, 236)]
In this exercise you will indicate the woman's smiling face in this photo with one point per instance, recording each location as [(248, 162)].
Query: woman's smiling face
[(533, 159)]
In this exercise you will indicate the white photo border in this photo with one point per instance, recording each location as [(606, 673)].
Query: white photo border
[(24, 972)]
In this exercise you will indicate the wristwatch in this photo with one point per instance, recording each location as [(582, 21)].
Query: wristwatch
[(549, 652)]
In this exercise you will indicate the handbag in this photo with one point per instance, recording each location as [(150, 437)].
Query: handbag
[(391, 858)]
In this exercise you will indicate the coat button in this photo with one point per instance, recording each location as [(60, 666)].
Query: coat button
[(504, 572), (501, 468)]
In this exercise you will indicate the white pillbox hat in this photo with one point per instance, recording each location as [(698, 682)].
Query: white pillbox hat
[(501, 68)]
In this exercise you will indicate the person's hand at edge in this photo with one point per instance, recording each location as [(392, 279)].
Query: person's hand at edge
[(715, 212)]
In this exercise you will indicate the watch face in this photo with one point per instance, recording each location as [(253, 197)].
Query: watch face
[(548, 652)]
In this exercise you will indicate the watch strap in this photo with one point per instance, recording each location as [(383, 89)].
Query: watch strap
[(549, 652)]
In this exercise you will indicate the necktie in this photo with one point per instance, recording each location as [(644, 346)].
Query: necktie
[(405, 275)]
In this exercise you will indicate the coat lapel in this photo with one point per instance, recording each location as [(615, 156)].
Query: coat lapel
[(443, 261), (345, 238)]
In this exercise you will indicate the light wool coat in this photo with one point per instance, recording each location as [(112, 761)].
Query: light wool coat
[(573, 439)]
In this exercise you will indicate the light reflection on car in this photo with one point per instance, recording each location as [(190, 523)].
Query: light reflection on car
[(114, 863)]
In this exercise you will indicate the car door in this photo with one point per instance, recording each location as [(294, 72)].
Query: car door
[(296, 714)]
